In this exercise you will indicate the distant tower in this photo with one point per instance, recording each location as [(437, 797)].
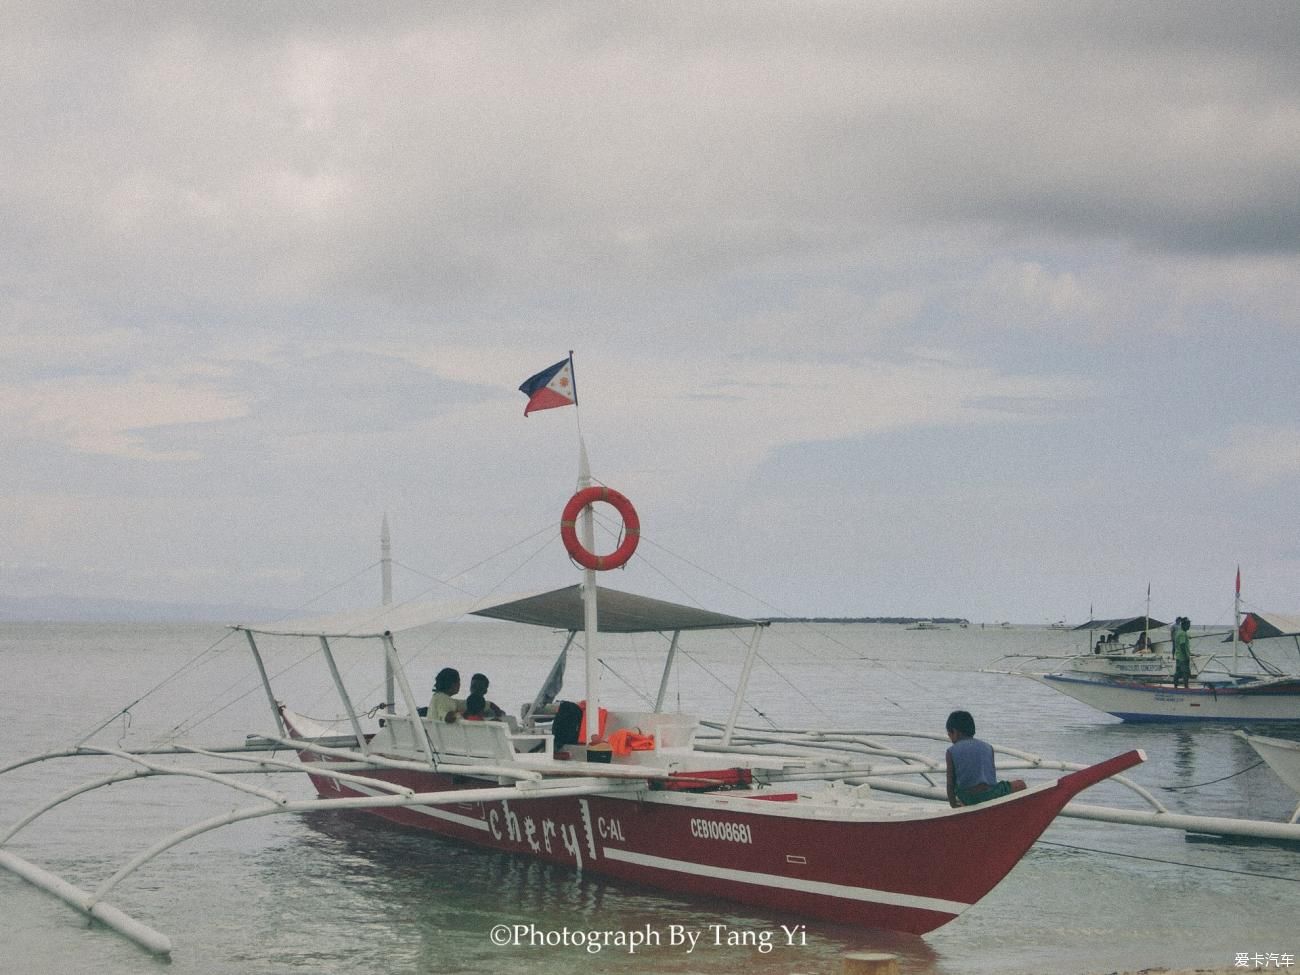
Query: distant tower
[(386, 561)]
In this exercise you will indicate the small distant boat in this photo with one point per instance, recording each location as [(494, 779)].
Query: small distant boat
[(1138, 686), (926, 625), (1243, 700), (1125, 648), (1283, 757)]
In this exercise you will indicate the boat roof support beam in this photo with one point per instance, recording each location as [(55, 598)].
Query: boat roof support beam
[(266, 683), (668, 668), (394, 670), (744, 684), (362, 746)]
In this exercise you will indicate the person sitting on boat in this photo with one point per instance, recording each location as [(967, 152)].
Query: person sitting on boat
[(1141, 646), (478, 684), (972, 774), (1183, 653), (444, 706), (564, 729), (476, 708)]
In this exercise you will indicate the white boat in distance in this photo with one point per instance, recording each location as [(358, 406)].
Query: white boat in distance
[(1111, 656), (1243, 701), (1221, 689)]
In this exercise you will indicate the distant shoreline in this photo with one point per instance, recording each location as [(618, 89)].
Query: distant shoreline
[(952, 620)]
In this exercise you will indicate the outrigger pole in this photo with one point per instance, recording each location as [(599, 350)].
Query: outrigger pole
[(386, 595), (93, 906)]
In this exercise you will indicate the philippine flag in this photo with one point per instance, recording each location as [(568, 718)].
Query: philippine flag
[(550, 388)]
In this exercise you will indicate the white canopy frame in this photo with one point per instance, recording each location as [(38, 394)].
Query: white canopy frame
[(570, 608)]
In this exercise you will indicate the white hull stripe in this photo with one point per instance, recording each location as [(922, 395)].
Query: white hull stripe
[(789, 883)]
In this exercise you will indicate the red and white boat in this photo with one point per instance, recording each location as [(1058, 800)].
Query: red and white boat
[(783, 832), (880, 863), (798, 823)]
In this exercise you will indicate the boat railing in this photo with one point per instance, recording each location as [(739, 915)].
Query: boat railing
[(480, 739), (839, 755)]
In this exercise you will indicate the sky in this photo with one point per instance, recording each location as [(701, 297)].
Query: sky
[(899, 308)]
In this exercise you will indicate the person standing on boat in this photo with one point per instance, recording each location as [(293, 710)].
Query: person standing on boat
[(443, 706), (1183, 653), (972, 773)]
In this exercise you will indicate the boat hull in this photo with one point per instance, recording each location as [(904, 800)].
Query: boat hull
[(1140, 701), (1283, 757), (909, 872)]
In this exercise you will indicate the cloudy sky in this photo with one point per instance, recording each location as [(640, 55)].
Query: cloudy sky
[(876, 308)]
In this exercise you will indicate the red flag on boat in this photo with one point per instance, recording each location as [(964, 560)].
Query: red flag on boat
[(551, 387), (1248, 628), (1238, 580)]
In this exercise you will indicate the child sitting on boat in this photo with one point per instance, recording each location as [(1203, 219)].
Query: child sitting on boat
[(478, 684), (476, 708), (972, 774)]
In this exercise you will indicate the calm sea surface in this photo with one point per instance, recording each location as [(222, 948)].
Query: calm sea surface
[(338, 893)]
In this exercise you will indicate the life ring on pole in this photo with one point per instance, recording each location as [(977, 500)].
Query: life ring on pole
[(569, 528)]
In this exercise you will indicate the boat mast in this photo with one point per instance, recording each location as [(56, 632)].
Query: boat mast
[(1236, 620), (386, 575), (1146, 622), (587, 531), (386, 561)]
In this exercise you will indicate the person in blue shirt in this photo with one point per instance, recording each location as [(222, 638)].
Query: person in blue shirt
[(972, 774)]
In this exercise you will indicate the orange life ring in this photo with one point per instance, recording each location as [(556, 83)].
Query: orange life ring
[(569, 528)]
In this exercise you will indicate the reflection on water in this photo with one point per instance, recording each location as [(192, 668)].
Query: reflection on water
[(1184, 756), (458, 894)]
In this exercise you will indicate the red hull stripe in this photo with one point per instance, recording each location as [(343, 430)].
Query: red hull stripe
[(788, 883)]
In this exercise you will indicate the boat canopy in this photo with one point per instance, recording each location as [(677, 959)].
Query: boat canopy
[(620, 612), (1128, 624), (559, 609), (1262, 626)]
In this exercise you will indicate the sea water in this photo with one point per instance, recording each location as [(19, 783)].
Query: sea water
[(333, 892)]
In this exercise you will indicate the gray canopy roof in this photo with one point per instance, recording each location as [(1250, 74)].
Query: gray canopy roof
[(1128, 624), (560, 609), (618, 612)]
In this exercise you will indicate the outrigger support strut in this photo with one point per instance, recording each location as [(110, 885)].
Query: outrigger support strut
[(266, 683), (93, 905)]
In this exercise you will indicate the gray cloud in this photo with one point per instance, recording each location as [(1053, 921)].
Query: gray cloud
[(241, 241)]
